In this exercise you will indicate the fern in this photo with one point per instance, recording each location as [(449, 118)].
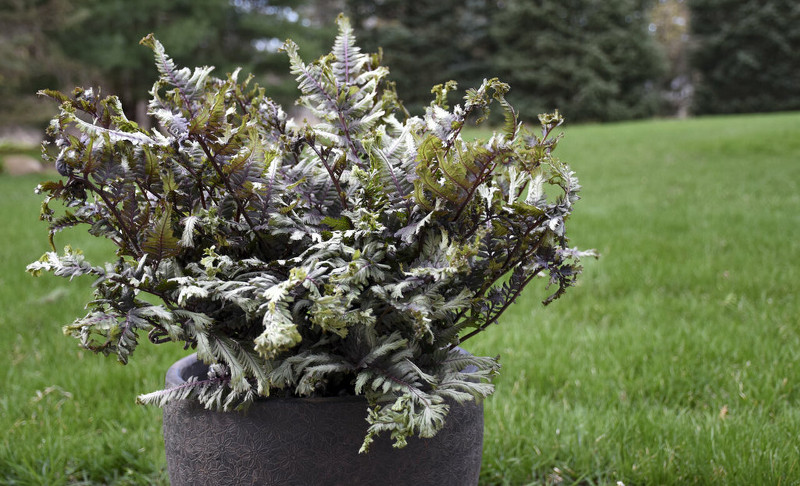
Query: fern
[(160, 242), (193, 387), (189, 83), (351, 255), (349, 60)]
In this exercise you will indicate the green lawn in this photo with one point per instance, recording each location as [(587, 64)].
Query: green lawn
[(675, 361)]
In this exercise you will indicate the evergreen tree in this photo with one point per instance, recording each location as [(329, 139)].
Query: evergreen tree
[(60, 43), (590, 59), (747, 55), (222, 33), (29, 58), (426, 42)]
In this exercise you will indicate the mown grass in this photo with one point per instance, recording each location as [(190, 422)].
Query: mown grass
[(675, 361), (66, 415)]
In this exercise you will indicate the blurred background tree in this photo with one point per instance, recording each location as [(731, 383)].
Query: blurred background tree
[(591, 59), (29, 56), (58, 43), (747, 55), (427, 42)]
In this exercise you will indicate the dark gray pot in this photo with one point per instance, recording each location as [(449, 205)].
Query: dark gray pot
[(310, 441)]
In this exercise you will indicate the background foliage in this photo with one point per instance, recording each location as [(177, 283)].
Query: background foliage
[(594, 60), (747, 55), (62, 43), (591, 59), (427, 42)]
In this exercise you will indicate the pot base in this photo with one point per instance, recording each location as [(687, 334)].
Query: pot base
[(311, 441)]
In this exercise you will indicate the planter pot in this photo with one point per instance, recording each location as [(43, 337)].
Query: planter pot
[(310, 441)]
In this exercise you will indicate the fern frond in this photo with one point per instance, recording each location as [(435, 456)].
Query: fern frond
[(192, 387), (71, 264), (242, 363), (309, 78), (209, 118), (387, 344), (160, 242), (389, 173), (280, 332), (108, 333), (68, 220), (136, 138), (189, 83), (349, 60), (410, 414)]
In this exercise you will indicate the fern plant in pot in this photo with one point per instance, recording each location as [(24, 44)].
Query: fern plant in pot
[(324, 274)]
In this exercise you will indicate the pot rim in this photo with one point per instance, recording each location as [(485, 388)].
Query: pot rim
[(177, 371)]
